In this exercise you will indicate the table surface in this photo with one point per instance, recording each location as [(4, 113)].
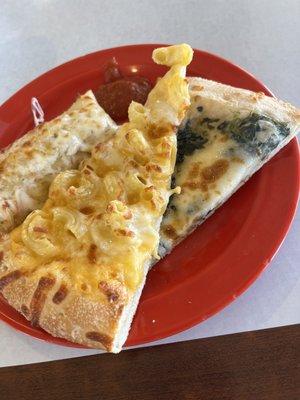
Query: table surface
[(262, 36), (261, 365)]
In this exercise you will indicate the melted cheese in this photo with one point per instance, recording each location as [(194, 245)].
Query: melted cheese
[(206, 177), (101, 222), (32, 162)]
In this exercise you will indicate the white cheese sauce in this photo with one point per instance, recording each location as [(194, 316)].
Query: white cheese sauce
[(219, 147)]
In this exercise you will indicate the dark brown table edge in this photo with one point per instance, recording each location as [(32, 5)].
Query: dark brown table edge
[(256, 365)]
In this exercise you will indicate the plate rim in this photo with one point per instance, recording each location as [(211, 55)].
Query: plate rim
[(184, 325)]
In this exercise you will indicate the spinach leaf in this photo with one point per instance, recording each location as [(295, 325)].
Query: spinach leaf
[(258, 134)]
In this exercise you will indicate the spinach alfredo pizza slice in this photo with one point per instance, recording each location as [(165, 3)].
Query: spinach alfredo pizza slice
[(226, 136), (77, 267)]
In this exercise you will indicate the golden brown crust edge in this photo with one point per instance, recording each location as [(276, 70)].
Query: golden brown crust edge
[(245, 99), (65, 314), (77, 318)]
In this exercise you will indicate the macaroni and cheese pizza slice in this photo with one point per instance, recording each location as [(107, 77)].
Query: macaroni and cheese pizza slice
[(29, 165), (77, 267)]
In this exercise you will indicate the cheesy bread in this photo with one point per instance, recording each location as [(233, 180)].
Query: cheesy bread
[(30, 164), (77, 266)]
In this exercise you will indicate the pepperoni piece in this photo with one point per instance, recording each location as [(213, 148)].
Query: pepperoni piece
[(118, 92), (116, 97)]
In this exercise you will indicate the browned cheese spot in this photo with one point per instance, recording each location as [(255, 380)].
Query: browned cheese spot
[(27, 143), (197, 87), (39, 298), (257, 96), (133, 163), (87, 210), (224, 138), (29, 153), (194, 185), (170, 232), (160, 131), (208, 175), (9, 278), (215, 171), (1, 255), (5, 205), (194, 171), (102, 338), (92, 254), (40, 229), (100, 147), (153, 167), (124, 232), (61, 294)]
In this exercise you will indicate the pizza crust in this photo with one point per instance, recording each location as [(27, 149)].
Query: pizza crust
[(76, 318), (243, 99)]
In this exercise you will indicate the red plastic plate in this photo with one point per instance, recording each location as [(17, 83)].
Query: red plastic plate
[(222, 257)]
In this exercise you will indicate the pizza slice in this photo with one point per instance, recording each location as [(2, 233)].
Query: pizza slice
[(30, 164), (77, 267), (226, 136)]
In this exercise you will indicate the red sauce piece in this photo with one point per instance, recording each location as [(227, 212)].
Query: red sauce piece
[(112, 72), (118, 91)]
